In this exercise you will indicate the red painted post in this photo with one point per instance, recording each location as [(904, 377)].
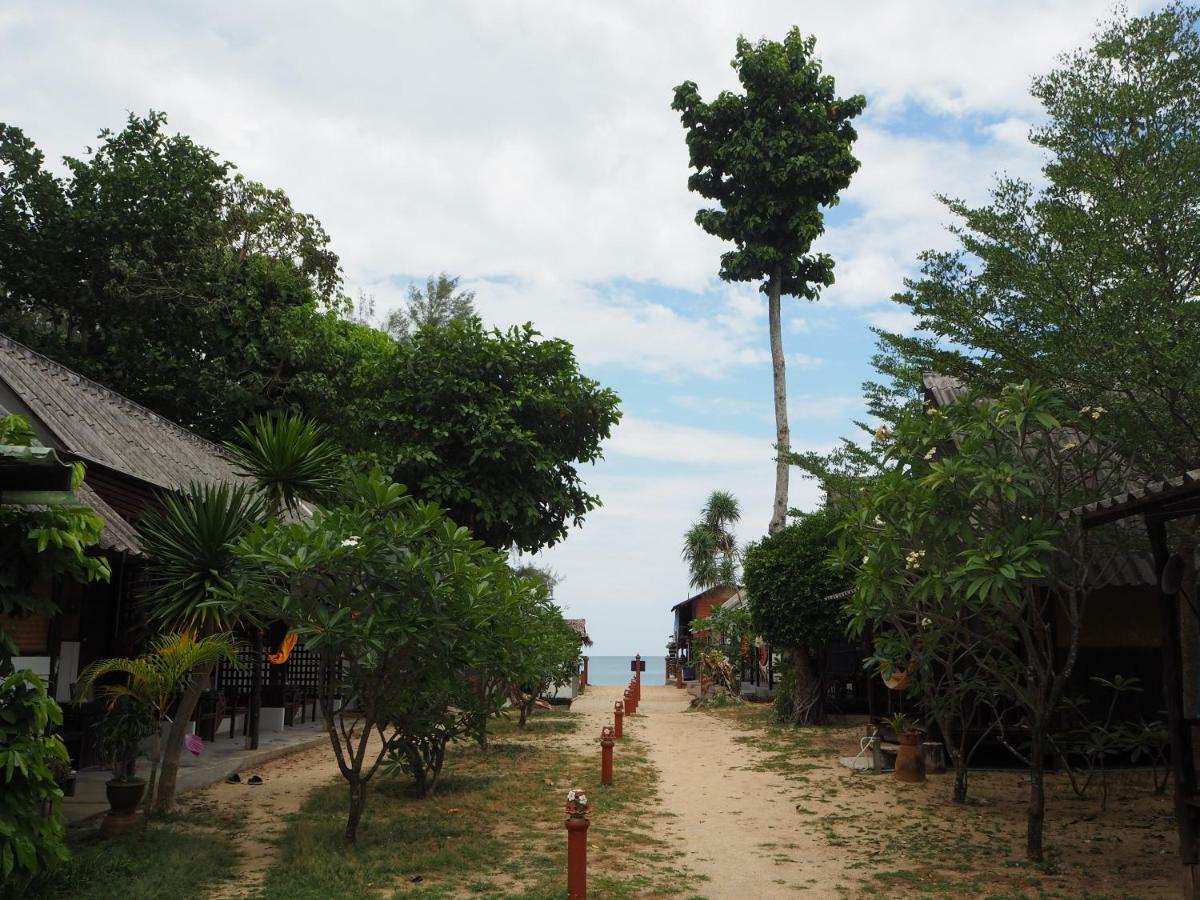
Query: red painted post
[(618, 717), (630, 706), (577, 826), (637, 676), (678, 674), (606, 753)]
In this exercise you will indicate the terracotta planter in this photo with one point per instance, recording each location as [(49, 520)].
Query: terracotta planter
[(124, 794), (910, 761)]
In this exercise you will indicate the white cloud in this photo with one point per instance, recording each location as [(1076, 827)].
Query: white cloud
[(899, 321), (663, 442)]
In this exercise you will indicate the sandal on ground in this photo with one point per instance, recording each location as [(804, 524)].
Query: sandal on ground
[(234, 778), (254, 779)]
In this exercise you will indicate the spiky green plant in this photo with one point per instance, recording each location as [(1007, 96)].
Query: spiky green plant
[(188, 539), (288, 457)]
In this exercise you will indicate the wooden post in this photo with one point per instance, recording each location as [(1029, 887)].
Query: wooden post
[(618, 718), (583, 680), (637, 676), (577, 826), (678, 675), (606, 755), (1183, 768)]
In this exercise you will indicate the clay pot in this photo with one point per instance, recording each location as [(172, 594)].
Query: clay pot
[(124, 794), (910, 761)]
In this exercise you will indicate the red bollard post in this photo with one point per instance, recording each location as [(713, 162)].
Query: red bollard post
[(678, 674), (630, 706), (637, 676), (577, 826), (606, 753), (618, 718)]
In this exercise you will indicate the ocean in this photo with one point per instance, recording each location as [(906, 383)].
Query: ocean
[(615, 669)]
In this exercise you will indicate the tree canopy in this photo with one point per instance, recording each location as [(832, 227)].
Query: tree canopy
[(1089, 283), (771, 158), (492, 426)]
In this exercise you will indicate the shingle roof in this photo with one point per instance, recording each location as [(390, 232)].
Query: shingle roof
[(943, 390), (99, 425), (118, 535), (579, 626)]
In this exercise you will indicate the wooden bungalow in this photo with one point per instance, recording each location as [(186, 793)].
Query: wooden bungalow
[(132, 456), (698, 606)]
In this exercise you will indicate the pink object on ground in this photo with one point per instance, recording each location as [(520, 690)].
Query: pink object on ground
[(194, 743)]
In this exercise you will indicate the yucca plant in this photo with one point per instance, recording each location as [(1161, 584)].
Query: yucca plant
[(156, 678), (288, 457), (287, 461)]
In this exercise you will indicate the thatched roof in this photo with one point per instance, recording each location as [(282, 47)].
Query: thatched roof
[(579, 626)]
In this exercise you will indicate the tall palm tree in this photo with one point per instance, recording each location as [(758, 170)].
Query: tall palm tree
[(156, 678), (287, 461), (710, 547)]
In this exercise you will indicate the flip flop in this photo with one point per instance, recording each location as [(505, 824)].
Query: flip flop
[(254, 779), (234, 778)]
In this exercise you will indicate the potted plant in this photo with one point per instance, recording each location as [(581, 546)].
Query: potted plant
[(119, 736), (910, 763)]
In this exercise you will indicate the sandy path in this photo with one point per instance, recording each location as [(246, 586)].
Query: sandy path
[(736, 826), (257, 812)]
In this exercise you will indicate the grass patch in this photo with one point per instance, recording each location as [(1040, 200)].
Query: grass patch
[(493, 829), (164, 862)]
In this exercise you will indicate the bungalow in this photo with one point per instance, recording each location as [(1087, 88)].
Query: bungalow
[(132, 456), (699, 606)]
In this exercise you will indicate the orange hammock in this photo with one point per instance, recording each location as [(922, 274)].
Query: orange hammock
[(285, 650)]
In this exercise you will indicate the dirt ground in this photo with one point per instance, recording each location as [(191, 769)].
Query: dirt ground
[(256, 812), (753, 811)]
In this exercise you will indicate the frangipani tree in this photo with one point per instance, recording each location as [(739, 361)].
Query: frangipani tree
[(966, 566), (401, 604)]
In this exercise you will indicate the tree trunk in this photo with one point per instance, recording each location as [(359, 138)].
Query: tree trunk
[(155, 756), (783, 435), (807, 695), (165, 802), (1036, 814), (358, 802)]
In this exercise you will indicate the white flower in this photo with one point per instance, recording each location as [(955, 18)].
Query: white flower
[(932, 453), (913, 559), (926, 622), (351, 541), (1098, 412), (866, 559), (879, 520)]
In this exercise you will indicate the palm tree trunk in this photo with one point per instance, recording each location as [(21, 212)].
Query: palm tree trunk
[(165, 802), (782, 433)]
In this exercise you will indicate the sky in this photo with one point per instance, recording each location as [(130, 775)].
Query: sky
[(530, 148)]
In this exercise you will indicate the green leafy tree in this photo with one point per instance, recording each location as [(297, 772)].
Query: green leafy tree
[(771, 158), (400, 604), (959, 546), (157, 271), (710, 547), (1089, 282), (493, 427), (31, 842), (436, 307), (37, 545), (788, 577)]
